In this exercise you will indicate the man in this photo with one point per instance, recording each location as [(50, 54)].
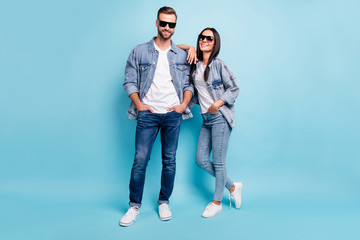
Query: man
[(157, 81)]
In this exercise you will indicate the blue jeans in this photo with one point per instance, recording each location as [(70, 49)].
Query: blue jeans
[(214, 136), (148, 126)]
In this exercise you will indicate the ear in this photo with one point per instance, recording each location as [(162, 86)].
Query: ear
[(156, 22)]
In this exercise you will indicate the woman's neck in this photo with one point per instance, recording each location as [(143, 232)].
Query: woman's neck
[(206, 56)]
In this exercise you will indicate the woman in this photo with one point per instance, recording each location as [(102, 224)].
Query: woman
[(216, 90)]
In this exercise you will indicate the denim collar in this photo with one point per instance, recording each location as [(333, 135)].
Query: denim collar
[(151, 46), (200, 62)]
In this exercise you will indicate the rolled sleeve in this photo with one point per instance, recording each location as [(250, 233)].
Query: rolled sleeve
[(230, 84), (188, 86), (131, 75)]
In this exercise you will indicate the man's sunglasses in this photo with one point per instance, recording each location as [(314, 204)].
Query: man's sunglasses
[(208, 38), (163, 24)]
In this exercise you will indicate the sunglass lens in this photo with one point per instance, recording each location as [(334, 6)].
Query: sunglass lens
[(163, 24), (208, 38)]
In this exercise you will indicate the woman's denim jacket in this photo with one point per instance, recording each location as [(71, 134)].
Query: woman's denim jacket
[(140, 70), (222, 85)]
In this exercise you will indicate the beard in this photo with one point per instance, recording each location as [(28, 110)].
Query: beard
[(164, 37)]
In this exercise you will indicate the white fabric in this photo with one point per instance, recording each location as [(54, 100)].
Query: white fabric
[(205, 99), (162, 94)]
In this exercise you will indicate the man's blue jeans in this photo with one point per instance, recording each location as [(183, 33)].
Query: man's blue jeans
[(148, 126)]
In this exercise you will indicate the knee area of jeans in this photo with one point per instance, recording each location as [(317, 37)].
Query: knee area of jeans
[(219, 166), (201, 162), (141, 157), (139, 165), (169, 162), (169, 156), (216, 164)]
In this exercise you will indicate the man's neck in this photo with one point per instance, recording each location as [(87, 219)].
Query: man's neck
[(163, 44)]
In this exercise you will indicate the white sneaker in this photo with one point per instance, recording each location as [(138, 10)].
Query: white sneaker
[(211, 210), (236, 194), (129, 216), (164, 212)]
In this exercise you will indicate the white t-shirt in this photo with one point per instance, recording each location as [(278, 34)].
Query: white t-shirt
[(162, 94), (205, 99)]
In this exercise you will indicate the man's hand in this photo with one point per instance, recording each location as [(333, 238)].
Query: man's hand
[(178, 108), (138, 104), (142, 107)]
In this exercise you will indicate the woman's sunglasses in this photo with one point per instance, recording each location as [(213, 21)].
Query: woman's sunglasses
[(208, 38), (163, 24)]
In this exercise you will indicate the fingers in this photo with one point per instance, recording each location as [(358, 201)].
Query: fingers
[(212, 110), (150, 109), (190, 59)]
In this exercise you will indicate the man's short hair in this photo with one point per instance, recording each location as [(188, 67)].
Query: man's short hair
[(166, 10)]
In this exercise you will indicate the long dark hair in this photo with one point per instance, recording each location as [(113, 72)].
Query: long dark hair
[(213, 54)]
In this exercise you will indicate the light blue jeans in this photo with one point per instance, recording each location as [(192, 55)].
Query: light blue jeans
[(214, 136)]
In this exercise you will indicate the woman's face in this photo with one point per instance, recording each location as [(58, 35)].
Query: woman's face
[(206, 41)]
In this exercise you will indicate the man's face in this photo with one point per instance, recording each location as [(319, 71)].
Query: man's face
[(166, 31)]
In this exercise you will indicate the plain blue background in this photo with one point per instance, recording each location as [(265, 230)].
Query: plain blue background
[(66, 145)]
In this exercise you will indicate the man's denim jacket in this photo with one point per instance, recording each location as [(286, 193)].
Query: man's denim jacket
[(222, 85), (140, 70)]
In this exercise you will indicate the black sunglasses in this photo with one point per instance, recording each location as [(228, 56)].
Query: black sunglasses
[(163, 24), (208, 38)]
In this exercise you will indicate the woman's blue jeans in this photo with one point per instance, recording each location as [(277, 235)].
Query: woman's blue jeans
[(214, 136), (148, 126)]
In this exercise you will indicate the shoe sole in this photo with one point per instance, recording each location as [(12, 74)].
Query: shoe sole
[(126, 224), (212, 215), (165, 219)]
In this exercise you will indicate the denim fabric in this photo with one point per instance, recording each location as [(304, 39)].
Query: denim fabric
[(140, 70), (148, 126), (222, 85), (214, 136)]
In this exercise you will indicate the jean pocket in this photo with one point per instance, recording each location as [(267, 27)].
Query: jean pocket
[(141, 113)]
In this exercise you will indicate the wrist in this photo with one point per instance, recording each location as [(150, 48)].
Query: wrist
[(139, 106), (183, 105), (219, 103), (216, 105)]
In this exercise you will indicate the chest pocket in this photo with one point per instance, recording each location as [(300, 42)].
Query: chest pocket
[(144, 71), (144, 67), (182, 72), (217, 84), (217, 88), (182, 67)]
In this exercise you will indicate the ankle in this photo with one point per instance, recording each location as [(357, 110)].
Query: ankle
[(216, 202), (231, 190)]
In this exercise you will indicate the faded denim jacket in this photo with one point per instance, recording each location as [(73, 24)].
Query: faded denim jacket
[(140, 70), (221, 84)]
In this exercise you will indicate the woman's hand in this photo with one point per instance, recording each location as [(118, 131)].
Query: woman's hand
[(191, 57), (214, 108)]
